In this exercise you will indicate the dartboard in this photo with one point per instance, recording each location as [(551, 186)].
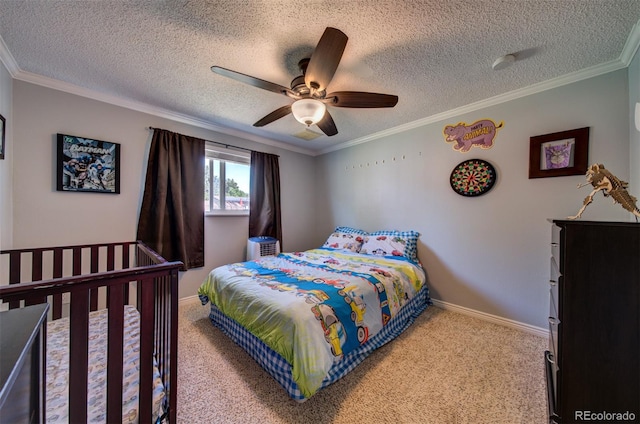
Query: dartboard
[(473, 177)]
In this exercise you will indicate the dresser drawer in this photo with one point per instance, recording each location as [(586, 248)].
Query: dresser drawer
[(555, 244), (552, 386), (553, 309), (555, 279), (554, 324)]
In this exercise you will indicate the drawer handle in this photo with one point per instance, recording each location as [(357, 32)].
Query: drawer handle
[(553, 282), (553, 321), (550, 358), (555, 244)]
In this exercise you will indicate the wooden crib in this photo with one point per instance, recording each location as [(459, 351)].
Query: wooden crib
[(76, 280)]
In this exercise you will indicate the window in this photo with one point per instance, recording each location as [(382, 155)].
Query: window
[(226, 182)]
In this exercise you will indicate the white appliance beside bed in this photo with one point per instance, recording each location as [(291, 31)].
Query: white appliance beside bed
[(310, 317)]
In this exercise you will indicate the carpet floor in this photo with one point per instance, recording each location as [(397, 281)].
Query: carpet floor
[(447, 368)]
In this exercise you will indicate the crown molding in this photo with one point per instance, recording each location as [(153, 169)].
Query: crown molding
[(16, 73), (8, 60), (628, 51), (32, 78), (631, 46), (151, 110), (482, 104)]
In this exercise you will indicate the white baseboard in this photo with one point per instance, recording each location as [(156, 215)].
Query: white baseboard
[(455, 308), (189, 299), (492, 318)]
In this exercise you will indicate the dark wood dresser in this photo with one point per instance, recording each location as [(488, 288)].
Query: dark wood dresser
[(593, 362), (22, 364)]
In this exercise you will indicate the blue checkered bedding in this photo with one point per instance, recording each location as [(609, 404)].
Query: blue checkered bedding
[(280, 369), (310, 317)]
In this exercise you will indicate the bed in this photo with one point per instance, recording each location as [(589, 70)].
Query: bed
[(309, 318), (113, 310)]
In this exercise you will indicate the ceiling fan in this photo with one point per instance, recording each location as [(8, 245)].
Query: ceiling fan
[(309, 90)]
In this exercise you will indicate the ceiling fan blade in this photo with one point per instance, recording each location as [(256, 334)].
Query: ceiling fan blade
[(361, 99), (325, 59), (274, 116), (256, 82), (327, 125)]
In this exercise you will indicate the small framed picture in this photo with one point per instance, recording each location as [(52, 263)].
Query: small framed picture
[(3, 123), (88, 165), (559, 154)]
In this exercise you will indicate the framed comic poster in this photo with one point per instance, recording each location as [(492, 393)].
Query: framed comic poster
[(87, 165)]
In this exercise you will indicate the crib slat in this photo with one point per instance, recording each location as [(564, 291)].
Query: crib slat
[(36, 275), (93, 265), (77, 260), (110, 258), (172, 380), (126, 293), (166, 317), (145, 306), (36, 265), (115, 353), (110, 263), (79, 352), (56, 313), (126, 253), (94, 258), (15, 259), (161, 332)]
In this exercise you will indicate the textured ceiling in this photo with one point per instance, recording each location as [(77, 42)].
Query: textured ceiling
[(436, 55)]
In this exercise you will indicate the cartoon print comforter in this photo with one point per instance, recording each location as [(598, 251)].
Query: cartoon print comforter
[(313, 307)]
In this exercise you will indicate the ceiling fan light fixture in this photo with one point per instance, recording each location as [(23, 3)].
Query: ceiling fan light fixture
[(308, 111)]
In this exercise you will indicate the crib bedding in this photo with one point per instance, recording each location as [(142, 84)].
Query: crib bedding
[(310, 317), (57, 370)]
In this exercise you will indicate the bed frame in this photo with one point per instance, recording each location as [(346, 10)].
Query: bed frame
[(74, 280)]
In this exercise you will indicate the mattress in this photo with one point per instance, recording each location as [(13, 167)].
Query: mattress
[(57, 371)]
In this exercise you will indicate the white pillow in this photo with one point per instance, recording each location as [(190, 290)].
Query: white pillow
[(349, 242), (392, 243)]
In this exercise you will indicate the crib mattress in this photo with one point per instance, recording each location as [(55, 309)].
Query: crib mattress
[(57, 391)]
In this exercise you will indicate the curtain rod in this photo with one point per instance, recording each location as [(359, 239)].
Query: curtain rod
[(219, 143)]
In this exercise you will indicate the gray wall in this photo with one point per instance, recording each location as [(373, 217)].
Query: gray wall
[(6, 94), (489, 253), (44, 217), (634, 133)]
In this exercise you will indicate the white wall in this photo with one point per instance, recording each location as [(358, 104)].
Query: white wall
[(634, 97), (46, 217), (489, 253), (6, 213)]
